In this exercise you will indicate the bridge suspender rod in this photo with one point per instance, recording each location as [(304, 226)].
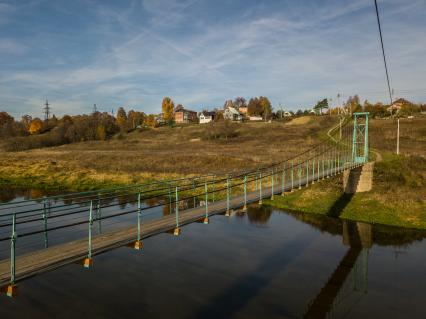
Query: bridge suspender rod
[(99, 214), (318, 170), (260, 189), (227, 196), (307, 173), (283, 181)]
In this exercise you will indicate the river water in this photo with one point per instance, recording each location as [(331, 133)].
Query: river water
[(265, 263)]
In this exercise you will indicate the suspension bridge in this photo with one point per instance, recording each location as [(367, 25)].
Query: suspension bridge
[(38, 235)]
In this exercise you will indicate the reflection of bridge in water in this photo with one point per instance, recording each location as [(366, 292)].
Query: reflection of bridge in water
[(348, 282)]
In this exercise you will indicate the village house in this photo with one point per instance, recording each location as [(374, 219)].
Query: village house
[(397, 106), (255, 118), (232, 114), (243, 110), (206, 117), (183, 115)]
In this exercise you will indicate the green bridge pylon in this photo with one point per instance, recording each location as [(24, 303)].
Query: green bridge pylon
[(360, 147)]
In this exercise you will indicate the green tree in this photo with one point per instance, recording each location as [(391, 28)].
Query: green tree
[(323, 104)]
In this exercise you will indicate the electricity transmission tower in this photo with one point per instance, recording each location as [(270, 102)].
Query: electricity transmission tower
[(46, 110)]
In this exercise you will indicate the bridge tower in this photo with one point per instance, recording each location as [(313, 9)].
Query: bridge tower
[(360, 148)]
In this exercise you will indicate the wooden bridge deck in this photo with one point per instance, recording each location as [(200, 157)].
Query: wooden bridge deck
[(43, 260)]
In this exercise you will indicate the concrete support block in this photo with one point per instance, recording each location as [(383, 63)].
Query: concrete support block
[(177, 231), (359, 179), (88, 262)]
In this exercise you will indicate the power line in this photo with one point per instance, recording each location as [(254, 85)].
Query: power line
[(383, 50)]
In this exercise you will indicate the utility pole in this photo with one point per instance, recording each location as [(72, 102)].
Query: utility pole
[(281, 107), (46, 110), (338, 103), (95, 109), (397, 140)]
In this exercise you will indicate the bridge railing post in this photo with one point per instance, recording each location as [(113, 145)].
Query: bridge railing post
[(313, 171), (89, 261), (11, 288), (44, 215), (292, 176), (138, 243), (283, 181), (272, 183), (206, 199), (177, 228)]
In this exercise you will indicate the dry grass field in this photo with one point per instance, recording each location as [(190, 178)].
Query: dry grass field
[(161, 153), (167, 152)]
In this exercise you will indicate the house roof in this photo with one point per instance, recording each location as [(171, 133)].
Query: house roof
[(233, 111), (206, 113)]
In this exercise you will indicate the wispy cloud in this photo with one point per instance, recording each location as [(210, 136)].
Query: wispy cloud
[(201, 54)]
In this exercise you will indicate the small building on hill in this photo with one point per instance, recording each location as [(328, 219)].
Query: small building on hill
[(232, 114), (206, 117), (183, 115)]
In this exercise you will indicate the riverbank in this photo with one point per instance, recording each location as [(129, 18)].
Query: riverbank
[(398, 197)]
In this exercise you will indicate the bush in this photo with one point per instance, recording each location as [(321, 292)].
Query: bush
[(221, 130)]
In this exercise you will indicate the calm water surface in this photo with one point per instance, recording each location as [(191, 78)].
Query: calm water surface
[(263, 264)]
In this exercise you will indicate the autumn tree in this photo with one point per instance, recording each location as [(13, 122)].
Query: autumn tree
[(5, 118), (265, 106), (150, 120), (35, 126), (135, 118), (240, 102), (101, 133), (121, 118), (26, 121), (168, 108), (254, 107)]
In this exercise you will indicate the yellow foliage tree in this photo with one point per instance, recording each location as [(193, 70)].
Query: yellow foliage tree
[(35, 126), (168, 109), (101, 133)]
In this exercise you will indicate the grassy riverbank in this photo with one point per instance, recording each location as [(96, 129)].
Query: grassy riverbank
[(398, 197)]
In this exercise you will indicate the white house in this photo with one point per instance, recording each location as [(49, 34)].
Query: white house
[(206, 117), (255, 118), (232, 114)]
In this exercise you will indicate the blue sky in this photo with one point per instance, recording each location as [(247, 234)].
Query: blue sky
[(202, 52)]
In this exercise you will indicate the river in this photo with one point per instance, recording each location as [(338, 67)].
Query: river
[(265, 263)]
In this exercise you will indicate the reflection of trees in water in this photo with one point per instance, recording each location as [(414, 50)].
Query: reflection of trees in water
[(381, 235), (259, 214)]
